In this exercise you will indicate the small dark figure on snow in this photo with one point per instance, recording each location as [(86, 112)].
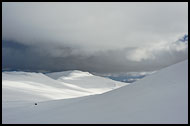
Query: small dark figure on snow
[(35, 103)]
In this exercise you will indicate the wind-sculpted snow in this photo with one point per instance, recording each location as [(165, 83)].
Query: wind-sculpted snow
[(158, 98)]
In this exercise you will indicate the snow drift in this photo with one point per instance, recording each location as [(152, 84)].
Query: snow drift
[(159, 98)]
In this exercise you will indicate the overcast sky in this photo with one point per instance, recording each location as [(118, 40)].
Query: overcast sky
[(95, 37)]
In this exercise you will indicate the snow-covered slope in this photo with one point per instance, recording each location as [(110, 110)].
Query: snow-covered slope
[(35, 87), (159, 98), (85, 80)]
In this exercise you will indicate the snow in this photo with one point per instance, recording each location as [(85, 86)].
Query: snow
[(85, 80), (25, 86), (159, 98)]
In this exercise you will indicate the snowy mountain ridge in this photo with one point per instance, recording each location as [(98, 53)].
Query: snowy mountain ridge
[(59, 85)]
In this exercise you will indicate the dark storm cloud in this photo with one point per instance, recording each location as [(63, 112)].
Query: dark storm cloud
[(23, 57), (95, 37)]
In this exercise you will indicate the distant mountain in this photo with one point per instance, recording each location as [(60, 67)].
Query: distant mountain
[(129, 77)]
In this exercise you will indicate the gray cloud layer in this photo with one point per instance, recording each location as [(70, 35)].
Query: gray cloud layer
[(96, 37), (112, 61)]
